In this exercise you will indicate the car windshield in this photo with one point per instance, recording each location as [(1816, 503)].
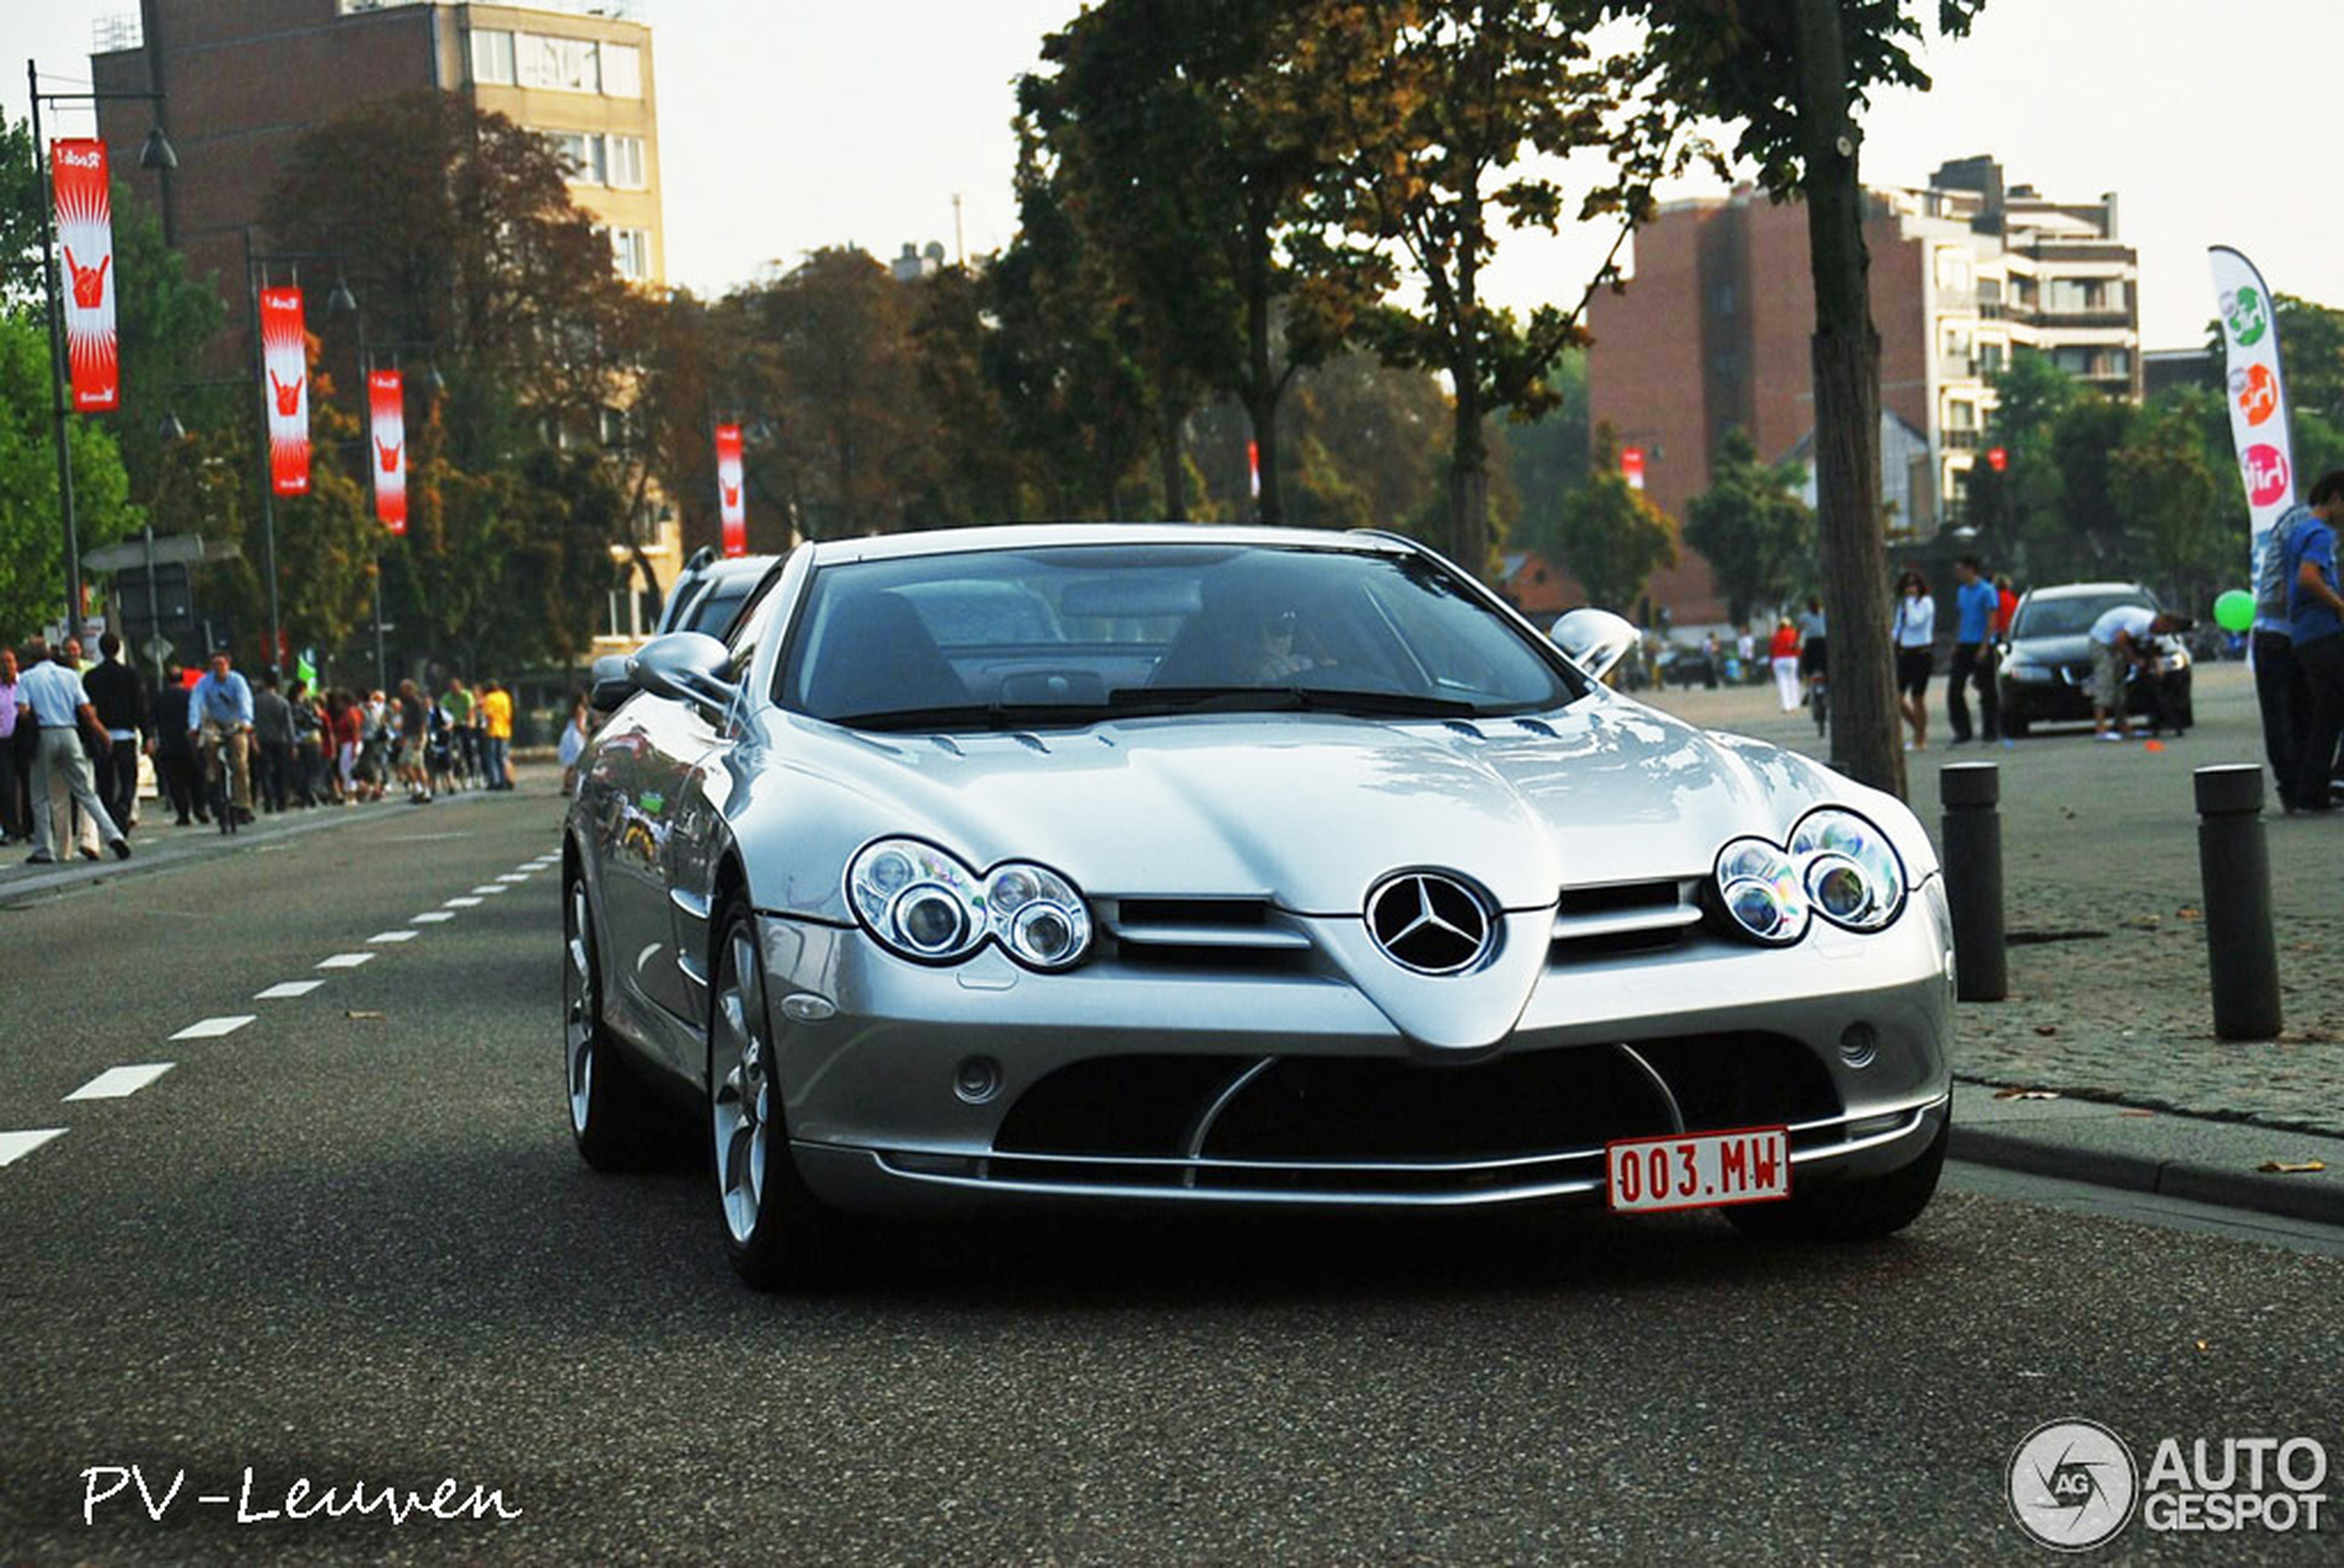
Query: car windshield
[(715, 611), (2072, 617), (1072, 634)]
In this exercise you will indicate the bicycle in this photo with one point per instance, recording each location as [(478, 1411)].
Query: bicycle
[(1819, 701), (220, 781)]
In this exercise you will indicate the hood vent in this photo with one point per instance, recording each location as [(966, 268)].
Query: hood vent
[(1624, 917), (1203, 933)]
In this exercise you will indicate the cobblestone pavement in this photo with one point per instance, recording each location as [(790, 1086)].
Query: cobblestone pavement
[(2109, 994)]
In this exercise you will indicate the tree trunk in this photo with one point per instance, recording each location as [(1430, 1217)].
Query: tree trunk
[(1172, 455), (1864, 729), (1261, 413), (1260, 395), (1469, 481)]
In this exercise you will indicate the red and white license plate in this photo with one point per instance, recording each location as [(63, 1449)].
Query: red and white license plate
[(1695, 1170)]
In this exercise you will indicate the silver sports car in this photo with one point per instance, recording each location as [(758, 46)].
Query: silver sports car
[(1155, 864)]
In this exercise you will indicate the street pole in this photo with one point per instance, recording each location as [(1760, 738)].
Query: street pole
[(382, 678), (267, 479), (154, 610), (57, 357)]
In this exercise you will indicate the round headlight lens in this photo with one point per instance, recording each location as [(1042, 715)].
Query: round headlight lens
[(1761, 891), (1832, 835), (1037, 915), (929, 919), (924, 904), (1838, 886)]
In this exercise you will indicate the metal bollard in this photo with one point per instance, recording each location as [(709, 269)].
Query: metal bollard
[(1971, 793), (2235, 867)]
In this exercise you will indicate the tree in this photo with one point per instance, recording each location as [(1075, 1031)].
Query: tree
[(1791, 73), (2164, 482), (33, 553), (21, 219), (1548, 456), (1437, 104), (1613, 539), (1757, 535), (2084, 440)]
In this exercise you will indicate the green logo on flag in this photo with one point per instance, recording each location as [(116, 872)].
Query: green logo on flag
[(2243, 313)]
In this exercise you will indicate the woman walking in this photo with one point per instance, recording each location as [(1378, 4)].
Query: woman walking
[(1782, 656), (1915, 633)]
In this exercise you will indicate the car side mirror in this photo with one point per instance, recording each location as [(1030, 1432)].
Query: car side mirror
[(608, 685), (1595, 639), (689, 666)]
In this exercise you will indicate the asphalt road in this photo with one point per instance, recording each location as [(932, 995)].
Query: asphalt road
[(349, 1243)]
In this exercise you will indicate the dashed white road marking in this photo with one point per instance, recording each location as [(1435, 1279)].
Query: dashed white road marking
[(514, 877), (212, 1028), (14, 1146), (285, 988), (462, 902), (488, 886), (392, 936), (347, 961), (118, 1083), (433, 916)]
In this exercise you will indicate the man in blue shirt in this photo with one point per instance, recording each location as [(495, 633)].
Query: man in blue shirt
[(51, 696), (2315, 627), (1975, 603), (220, 706)]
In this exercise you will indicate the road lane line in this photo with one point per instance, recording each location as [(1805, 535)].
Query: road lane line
[(14, 1146), (285, 988), (347, 961), (488, 886), (212, 1028), (514, 877), (393, 937), (462, 902), (119, 1083), (432, 916)]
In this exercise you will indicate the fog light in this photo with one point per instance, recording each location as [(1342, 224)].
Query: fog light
[(977, 1079), (1859, 1045)]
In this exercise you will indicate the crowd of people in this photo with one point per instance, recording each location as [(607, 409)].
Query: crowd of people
[(71, 734)]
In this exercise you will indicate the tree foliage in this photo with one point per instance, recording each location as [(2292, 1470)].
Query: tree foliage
[(1613, 539), (33, 553), (1757, 535)]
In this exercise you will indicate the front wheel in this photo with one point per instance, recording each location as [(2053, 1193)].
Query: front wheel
[(1852, 1208), (608, 1115), (776, 1232)]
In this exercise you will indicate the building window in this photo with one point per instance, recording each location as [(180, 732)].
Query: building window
[(1721, 300), (493, 57), (1989, 359), (556, 65), (581, 151), (622, 70), (626, 165), (630, 252)]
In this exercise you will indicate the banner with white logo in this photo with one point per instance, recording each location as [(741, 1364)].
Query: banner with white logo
[(85, 232), (730, 505), (284, 363), (387, 409), (2257, 390)]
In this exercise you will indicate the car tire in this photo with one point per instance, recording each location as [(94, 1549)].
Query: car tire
[(608, 1113), (777, 1233), (1851, 1208), (2015, 724)]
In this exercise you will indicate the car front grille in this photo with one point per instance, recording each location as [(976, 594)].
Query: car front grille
[(1338, 1127), (1243, 935), (1596, 922)]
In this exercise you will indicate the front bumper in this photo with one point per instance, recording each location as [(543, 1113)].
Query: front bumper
[(1121, 1082)]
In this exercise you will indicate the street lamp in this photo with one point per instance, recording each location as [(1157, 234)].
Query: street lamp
[(340, 302), (155, 154)]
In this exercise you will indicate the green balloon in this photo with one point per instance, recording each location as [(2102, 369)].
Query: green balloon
[(2234, 611)]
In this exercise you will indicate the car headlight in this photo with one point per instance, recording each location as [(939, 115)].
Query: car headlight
[(921, 903), (1838, 866)]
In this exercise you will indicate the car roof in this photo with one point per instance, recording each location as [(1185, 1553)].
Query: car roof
[(1035, 535), (2085, 589)]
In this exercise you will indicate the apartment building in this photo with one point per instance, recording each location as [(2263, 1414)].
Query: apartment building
[(244, 80), (1711, 332)]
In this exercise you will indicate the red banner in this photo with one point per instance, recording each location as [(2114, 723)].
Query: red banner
[(730, 505), (1631, 466), (386, 403), (284, 361), (85, 232)]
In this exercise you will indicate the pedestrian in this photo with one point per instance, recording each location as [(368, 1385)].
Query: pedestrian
[(1782, 656), (178, 781), (305, 763), (2005, 604), (51, 696), (414, 736), (464, 736), (2281, 693), (272, 733), (346, 722), (1814, 645), (120, 699), (2124, 644), (1745, 655), (12, 822), (1913, 629), (220, 717), (2315, 629), (1974, 605), (496, 725), (575, 734)]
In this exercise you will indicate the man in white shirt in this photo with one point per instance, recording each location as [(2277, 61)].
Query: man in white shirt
[(50, 695), (2124, 637)]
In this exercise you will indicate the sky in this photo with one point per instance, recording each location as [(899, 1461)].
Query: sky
[(785, 127)]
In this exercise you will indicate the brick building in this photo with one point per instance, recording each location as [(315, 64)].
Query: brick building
[(1711, 332)]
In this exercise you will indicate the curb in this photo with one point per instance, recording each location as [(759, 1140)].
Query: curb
[(2319, 1200)]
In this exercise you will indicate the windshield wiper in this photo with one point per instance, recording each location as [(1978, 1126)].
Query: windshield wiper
[(1139, 701), (976, 716)]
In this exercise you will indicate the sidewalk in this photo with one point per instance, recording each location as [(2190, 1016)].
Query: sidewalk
[(2110, 1007)]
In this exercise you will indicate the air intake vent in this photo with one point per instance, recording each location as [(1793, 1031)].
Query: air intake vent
[(1625, 917)]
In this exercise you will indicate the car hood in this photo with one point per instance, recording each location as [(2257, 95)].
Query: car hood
[(1307, 811), (2075, 649)]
